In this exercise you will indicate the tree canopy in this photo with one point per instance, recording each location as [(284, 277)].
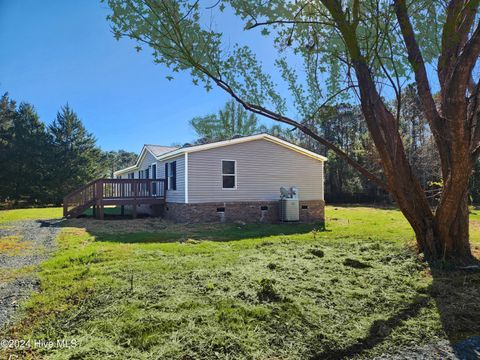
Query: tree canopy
[(363, 51), (41, 164), (231, 121)]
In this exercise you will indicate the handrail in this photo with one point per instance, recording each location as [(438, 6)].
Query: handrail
[(80, 188), (98, 190)]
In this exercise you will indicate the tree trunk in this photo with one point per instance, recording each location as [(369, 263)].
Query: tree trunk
[(446, 236), (440, 236)]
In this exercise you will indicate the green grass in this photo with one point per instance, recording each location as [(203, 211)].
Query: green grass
[(246, 292), (30, 214)]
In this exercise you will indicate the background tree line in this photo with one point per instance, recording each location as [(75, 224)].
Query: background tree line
[(42, 163), (343, 124)]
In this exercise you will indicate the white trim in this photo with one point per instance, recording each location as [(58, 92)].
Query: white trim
[(126, 170), (235, 173), (140, 158), (268, 137), (186, 177), (295, 147), (186, 150)]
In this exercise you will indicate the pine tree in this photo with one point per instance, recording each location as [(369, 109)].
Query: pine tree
[(7, 115), (29, 156), (77, 157)]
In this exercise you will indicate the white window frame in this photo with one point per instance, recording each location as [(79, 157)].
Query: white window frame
[(235, 173)]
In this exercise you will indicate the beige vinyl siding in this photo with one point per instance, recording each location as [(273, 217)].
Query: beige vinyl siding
[(262, 168), (178, 195), (147, 161)]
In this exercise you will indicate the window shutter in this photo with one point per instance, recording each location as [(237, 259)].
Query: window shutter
[(174, 175), (166, 176)]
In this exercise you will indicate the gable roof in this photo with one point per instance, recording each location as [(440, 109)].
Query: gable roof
[(158, 150), (190, 149)]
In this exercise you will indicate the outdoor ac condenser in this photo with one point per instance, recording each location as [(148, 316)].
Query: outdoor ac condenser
[(289, 204)]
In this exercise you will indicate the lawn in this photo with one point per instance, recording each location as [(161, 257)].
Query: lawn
[(145, 289), (30, 214)]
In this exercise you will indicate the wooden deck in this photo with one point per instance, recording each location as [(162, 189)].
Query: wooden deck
[(119, 192)]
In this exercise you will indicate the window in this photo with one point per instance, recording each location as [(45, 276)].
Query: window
[(154, 171), (229, 174), (131, 175), (171, 175), (147, 173), (154, 176)]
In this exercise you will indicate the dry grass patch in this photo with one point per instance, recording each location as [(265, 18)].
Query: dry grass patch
[(12, 245), (9, 275), (118, 226)]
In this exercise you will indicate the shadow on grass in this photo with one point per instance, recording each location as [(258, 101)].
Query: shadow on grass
[(456, 295), (379, 331), (157, 231)]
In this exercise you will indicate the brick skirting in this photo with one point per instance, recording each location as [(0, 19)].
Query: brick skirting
[(249, 212)]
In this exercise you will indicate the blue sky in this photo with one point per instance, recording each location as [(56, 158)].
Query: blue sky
[(54, 52)]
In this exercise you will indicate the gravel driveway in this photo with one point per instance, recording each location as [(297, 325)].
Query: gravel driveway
[(37, 241)]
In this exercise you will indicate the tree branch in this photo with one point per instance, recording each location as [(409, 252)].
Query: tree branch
[(306, 130), (274, 22), (436, 122), (418, 65)]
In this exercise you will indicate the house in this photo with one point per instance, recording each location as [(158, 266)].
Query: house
[(230, 180)]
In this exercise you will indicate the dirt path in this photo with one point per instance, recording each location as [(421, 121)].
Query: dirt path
[(23, 245)]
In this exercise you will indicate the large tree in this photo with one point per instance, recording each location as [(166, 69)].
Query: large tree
[(233, 120), (362, 48), (230, 121), (77, 157), (8, 114), (30, 157), (116, 160), (24, 154)]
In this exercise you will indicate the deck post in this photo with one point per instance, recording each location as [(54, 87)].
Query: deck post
[(122, 210), (134, 205), (94, 210), (100, 199)]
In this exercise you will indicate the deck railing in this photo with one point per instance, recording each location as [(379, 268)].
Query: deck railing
[(130, 188), (110, 190)]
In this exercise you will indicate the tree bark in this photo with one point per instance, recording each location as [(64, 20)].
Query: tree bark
[(443, 235)]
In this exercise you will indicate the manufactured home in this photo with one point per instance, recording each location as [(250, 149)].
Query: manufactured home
[(232, 180)]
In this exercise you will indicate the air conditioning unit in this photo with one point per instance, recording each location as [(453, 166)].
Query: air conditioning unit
[(289, 204)]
